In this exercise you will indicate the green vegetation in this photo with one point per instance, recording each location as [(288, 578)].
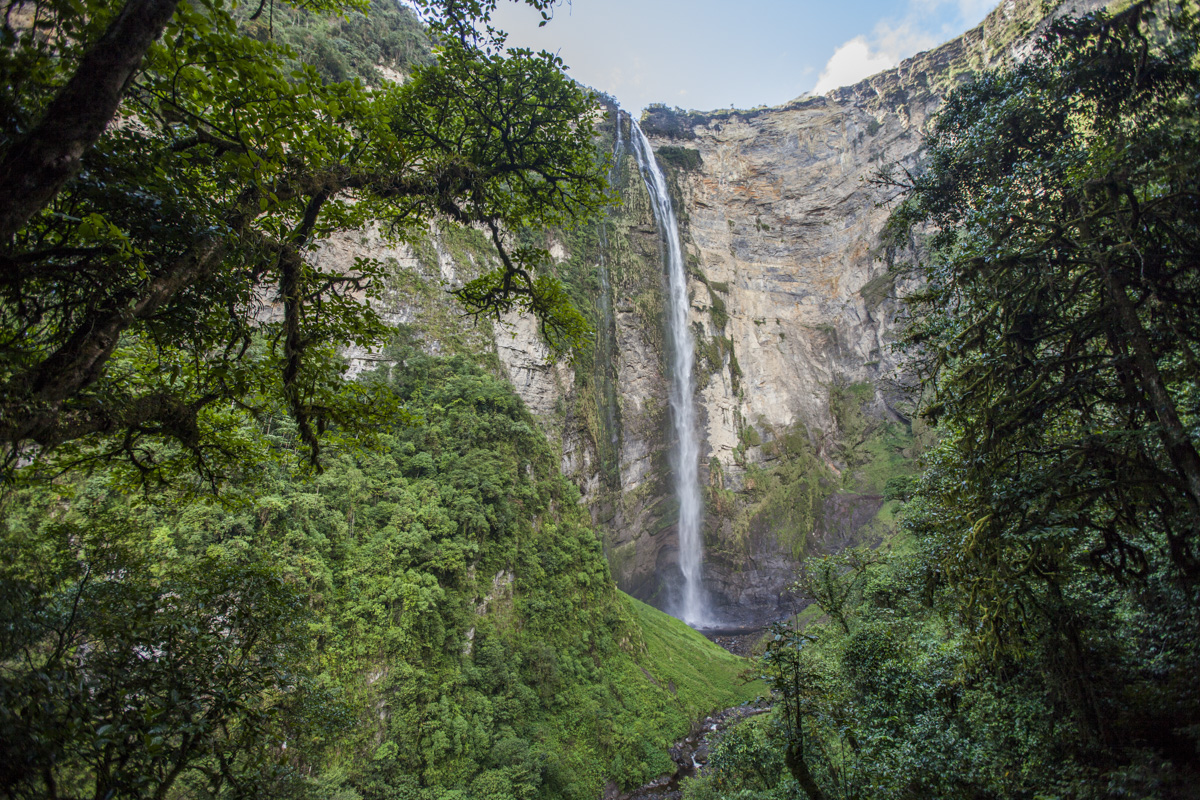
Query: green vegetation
[(785, 496), (661, 120), (703, 677), (160, 298), (686, 159), (349, 46), (718, 311), (787, 493), (224, 570), (875, 291), (1033, 632), (431, 619)]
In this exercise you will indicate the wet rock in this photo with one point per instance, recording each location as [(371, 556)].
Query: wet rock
[(690, 754)]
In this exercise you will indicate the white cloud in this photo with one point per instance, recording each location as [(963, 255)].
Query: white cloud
[(850, 63), (887, 46), (902, 40)]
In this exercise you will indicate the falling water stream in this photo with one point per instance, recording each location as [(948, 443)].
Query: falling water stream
[(692, 605)]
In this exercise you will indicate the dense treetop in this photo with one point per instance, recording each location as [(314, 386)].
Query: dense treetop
[(164, 172)]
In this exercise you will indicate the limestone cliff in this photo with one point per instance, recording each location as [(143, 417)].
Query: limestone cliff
[(793, 308)]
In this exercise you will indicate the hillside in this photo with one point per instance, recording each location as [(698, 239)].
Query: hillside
[(454, 626)]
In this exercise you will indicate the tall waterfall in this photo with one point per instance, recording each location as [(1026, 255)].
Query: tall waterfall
[(692, 606)]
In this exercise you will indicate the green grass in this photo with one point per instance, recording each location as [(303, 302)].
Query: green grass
[(706, 677)]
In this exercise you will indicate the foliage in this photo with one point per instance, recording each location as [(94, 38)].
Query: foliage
[(1059, 324), (683, 158), (793, 494), (700, 673), (160, 290), (444, 622), (797, 689), (662, 120), (787, 495), (352, 45), (1060, 336), (891, 700), (880, 288), (123, 674), (746, 762)]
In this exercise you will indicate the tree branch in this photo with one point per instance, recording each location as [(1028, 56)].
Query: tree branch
[(34, 170)]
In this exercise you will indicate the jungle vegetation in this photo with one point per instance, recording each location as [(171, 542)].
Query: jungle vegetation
[(226, 570), (1035, 630), (430, 618)]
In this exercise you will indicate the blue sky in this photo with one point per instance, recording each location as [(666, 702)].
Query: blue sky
[(705, 54)]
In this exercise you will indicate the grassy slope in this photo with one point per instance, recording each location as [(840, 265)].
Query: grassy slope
[(618, 725), (705, 676)]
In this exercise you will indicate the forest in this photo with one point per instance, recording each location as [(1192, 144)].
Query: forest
[(1032, 632), (230, 568)]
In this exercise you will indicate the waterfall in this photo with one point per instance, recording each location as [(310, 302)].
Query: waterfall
[(692, 606)]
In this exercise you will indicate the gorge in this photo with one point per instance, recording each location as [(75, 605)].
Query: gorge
[(384, 421), (790, 307)]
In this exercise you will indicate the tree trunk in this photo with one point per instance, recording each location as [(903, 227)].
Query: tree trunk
[(35, 169), (1178, 445), (794, 758)]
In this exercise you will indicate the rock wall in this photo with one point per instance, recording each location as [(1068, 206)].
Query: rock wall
[(791, 303), (793, 310)]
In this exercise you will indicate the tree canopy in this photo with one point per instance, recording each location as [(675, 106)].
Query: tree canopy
[(163, 178), (1032, 631), (1058, 331), (1059, 323)]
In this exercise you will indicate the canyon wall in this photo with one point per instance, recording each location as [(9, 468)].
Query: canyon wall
[(793, 310)]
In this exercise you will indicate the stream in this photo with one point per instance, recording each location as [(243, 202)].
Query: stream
[(690, 754)]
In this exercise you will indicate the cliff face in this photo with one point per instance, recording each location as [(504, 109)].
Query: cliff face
[(793, 311), (792, 308)]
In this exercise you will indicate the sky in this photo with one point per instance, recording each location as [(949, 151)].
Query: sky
[(709, 54)]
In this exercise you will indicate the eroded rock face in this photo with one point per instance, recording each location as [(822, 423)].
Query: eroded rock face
[(784, 219), (781, 216), (790, 296)]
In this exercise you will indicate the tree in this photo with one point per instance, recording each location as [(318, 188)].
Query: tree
[(796, 687), (1058, 330), (1060, 316), (162, 179), (121, 675), (833, 581)]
